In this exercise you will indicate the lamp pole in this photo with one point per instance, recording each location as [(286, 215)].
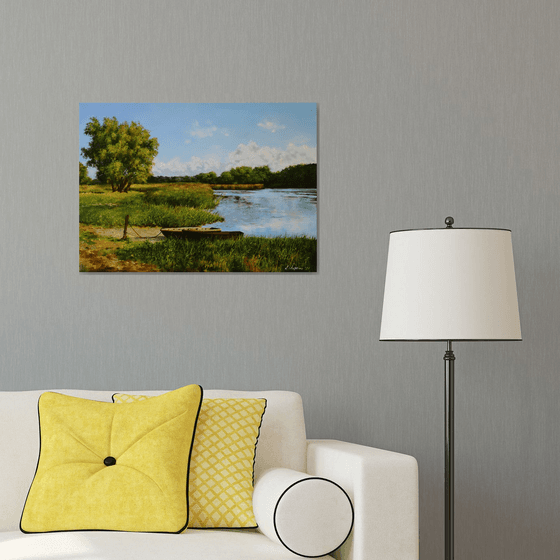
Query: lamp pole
[(449, 359)]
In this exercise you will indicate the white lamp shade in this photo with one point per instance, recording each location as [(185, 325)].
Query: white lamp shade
[(450, 284)]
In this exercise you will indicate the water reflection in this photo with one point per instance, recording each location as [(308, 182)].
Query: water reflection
[(269, 212)]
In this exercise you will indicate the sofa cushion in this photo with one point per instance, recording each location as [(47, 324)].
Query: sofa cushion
[(282, 441), (105, 545), (222, 463), (108, 467)]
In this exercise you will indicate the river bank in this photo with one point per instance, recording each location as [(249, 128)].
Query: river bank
[(105, 250), (257, 186), (148, 208)]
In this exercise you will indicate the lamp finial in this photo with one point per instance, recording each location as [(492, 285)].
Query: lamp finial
[(449, 221)]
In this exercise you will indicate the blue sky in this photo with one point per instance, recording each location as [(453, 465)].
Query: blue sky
[(202, 137)]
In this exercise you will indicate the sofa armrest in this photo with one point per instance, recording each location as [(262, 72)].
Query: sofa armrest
[(383, 487)]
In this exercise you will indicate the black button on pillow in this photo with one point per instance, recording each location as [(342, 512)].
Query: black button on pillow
[(109, 461)]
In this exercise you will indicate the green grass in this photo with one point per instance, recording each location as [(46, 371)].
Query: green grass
[(247, 254), (108, 199), (87, 237), (191, 197), (146, 216), (149, 205)]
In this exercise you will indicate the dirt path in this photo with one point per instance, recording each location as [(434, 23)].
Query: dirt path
[(117, 233), (98, 246)]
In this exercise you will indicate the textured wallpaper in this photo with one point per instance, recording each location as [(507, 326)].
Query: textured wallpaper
[(425, 109)]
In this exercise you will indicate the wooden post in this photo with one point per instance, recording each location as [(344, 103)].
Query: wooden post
[(125, 226)]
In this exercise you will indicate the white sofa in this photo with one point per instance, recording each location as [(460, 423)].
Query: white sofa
[(382, 485)]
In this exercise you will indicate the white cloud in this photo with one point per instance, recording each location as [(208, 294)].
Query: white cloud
[(194, 166), (251, 155), (270, 125), (200, 132), (301, 139)]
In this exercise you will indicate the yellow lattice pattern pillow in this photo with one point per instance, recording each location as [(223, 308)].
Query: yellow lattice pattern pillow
[(222, 462)]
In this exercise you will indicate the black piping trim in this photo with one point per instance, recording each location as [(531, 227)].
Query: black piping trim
[(452, 340), (449, 228), (257, 440), (113, 530), (36, 468), (222, 528), (291, 486), (190, 455)]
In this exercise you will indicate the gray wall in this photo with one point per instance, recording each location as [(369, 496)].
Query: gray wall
[(427, 108)]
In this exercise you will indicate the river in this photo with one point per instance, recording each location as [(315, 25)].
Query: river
[(269, 212)]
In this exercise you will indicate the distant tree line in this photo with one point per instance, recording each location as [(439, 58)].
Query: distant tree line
[(296, 176), (303, 176), (123, 155)]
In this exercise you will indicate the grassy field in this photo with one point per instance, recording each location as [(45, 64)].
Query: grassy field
[(150, 207), (245, 254), (158, 205)]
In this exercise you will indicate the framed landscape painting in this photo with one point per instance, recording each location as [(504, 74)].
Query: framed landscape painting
[(198, 187)]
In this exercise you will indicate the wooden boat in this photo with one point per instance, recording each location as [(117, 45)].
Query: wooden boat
[(192, 233)]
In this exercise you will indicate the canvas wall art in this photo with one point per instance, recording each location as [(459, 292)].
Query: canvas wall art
[(198, 187)]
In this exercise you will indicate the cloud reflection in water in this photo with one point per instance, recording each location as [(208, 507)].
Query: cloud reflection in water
[(269, 212)]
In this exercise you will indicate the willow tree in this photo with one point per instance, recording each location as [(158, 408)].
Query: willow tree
[(122, 153)]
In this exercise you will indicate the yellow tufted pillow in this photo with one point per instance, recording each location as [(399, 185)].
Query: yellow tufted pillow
[(108, 467), (222, 463)]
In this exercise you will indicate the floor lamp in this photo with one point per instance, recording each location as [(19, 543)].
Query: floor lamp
[(450, 284)]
